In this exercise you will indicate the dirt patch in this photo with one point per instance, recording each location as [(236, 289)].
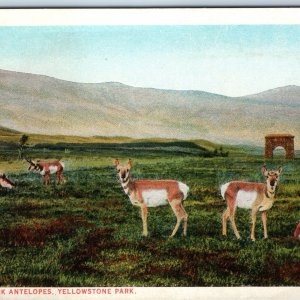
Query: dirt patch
[(290, 272), (192, 265), (149, 246), (39, 234), (187, 272)]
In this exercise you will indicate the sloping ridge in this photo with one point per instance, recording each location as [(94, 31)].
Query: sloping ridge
[(290, 93), (41, 104)]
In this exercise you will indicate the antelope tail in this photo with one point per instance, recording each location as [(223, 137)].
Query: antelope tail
[(224, 189)]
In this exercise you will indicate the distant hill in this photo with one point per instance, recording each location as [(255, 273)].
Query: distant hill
[(44, 105), (7, 131), (12, 137), (282, 95)]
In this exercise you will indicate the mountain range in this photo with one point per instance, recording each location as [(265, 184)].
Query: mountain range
[(40, 104)]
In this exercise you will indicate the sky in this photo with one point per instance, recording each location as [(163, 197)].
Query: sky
[(232, 60)]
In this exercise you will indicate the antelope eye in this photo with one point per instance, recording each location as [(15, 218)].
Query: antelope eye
[(127, 170), (119, 171)]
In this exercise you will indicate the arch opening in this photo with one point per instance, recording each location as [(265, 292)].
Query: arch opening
[(279, 152)]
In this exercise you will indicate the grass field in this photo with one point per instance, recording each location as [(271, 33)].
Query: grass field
[(86, 232)]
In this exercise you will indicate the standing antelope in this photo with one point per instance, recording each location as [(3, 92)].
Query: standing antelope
[(47, 168), (250, 195), (5, 182), (152, 193)]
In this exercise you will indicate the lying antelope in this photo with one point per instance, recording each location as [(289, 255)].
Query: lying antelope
[(153, 193), (250, 195), (5, 182), (46, 169)]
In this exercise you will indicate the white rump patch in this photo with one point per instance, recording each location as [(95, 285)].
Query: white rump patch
[(224, 189), (53, 169), (245, 199), (184, 188), (155, 198)]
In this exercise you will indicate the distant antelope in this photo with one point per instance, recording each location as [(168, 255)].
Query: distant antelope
[(47, 168), (250, 195), (5, 182), (297, 232), (152, 193)]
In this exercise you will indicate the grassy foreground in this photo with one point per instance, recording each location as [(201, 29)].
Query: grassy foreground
[(86, 232)]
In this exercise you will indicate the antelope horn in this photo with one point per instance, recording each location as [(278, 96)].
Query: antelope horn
[(29, 160)]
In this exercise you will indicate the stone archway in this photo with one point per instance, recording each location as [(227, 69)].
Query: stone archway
[(279, 140)]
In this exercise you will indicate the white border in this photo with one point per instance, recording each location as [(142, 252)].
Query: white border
[(148, 3), (150, 293), (151, 16)]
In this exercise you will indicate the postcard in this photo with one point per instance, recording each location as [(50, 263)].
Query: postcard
[(150, 153)]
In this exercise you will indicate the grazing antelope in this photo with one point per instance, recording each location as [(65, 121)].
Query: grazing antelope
[(153, 193), (250, 195), (46, 169), (297, 232), (5, 182)]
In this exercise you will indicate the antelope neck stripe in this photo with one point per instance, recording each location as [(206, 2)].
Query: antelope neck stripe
[(125, 184), (269, 194), (125, 187)]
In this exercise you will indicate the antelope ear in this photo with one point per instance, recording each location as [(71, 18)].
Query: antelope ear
[(264, 170), (116, 162), (129, 164), (279, 170)]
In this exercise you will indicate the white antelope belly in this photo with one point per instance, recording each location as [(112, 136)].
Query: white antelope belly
[(245, 199), (153, 198), (53, 169)]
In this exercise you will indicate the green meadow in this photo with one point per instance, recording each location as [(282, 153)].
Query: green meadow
[(86, 232)]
